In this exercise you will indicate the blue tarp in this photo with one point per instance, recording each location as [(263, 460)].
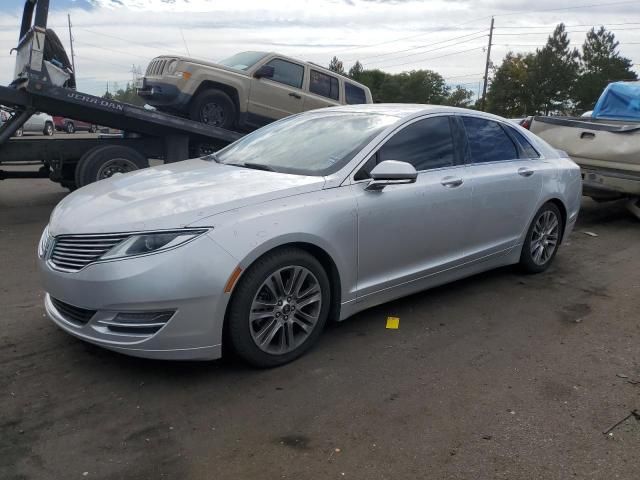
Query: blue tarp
[(619, 101)]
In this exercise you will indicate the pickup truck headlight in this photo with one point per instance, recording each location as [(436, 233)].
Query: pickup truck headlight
[(144, 243)]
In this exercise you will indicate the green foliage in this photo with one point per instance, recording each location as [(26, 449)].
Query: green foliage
[(601, 65), (336, 66), (556, 78), (459, 97), (356, 71), (126, 95)]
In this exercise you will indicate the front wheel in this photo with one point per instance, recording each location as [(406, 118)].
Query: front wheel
[(542, 240), (279, 308), (70, 127), (215, 108)]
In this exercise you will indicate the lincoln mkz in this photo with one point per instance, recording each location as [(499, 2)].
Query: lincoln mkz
[(312, 218)]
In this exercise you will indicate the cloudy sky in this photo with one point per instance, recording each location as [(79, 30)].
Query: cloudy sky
[(112, 37)]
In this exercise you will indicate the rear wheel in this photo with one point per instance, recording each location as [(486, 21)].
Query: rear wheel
[(49, 129), (279, 308), (93, 128), (214, 108), (542, 240), (70, 127), (105, 161), (19, 132)]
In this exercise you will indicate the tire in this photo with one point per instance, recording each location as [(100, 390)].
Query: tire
[(69, 127), (49, 129), (245, 335), (547, 219), (106, 160), (215, 108), (93, 128), (19, 132)]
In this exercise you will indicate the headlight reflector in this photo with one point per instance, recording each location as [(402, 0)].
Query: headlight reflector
[(145, 243), (43, 244)]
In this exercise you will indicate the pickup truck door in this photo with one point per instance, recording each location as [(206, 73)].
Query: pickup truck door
[(323, 90), (277, 97)]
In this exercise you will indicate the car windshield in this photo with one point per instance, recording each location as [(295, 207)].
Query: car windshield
[(309, 144), (243, 61)]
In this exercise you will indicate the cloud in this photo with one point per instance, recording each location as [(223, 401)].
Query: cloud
[(396, 35)]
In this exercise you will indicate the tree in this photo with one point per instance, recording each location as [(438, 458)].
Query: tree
[(126, 95), (510, 92), (554, 73), (601, 64), (356, 70), (459, 97), (336, 66)]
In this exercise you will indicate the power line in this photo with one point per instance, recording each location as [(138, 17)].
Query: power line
[(423, 46), (434, 58), (116, 51), (575, 7), (428, 51), (147, 45), (566, 31), (570, 26)]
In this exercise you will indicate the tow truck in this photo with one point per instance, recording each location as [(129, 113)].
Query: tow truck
[(45, 82)]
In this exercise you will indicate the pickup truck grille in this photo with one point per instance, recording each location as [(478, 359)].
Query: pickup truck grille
[(156, 67), (74, 252)]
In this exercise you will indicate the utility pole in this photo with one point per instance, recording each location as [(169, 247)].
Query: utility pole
[(486, 68), (73, 57)]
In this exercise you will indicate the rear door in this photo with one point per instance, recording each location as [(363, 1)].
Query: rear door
[(278, 97), (507, 183), (323, 90)]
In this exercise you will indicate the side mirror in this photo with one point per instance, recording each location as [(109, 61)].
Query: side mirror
[(265, 71), (391, 172)]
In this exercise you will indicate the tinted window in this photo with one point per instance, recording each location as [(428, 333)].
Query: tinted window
[(323, 84), (425, 144), (287, 72), (488, 142), (527, 149), (354, 95)]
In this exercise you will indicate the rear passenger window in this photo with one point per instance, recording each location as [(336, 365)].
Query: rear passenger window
[(488, 142), (354, 95), (286, 72), (527, 149), (324, 85), (425, 144)]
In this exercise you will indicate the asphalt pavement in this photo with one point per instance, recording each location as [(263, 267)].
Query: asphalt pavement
[(499, 376)]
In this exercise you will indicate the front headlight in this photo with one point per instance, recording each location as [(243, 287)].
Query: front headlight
[(43, 244), (171, 67), (144, 243)]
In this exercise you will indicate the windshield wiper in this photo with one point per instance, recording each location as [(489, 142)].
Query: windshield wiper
[(257, 166)]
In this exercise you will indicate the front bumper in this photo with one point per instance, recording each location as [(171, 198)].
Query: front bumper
[(187, 281), (162, 94)]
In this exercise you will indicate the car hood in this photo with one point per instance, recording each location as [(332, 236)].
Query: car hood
[(171, 196)]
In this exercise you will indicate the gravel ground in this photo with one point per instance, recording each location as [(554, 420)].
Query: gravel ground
[(499, 376)]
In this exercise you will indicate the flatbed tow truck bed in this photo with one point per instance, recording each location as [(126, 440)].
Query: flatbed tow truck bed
[(74, 162)]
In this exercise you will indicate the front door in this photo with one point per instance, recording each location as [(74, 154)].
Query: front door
[(277, 97), (408, 232)]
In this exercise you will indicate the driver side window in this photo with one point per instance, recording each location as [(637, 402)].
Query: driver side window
[(425, 144)]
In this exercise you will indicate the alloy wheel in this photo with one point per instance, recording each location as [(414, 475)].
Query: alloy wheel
[(285, 310), (544, 239)]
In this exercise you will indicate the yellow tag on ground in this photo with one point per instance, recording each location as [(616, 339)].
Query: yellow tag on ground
[(393, 323)]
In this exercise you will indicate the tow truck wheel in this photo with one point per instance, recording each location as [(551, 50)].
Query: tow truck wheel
[(214, 108), (107, 160)]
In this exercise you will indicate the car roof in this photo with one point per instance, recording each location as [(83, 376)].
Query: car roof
[(405, 110)]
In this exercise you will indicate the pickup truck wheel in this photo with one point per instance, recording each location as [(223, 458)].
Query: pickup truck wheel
[(69, 127), (214, 108), (107, 160), (49, 129)]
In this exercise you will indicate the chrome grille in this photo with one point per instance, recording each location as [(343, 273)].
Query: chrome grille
[(156, 67), (74, 252)]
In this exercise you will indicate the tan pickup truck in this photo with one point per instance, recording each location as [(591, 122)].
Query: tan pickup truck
[(245, 91)]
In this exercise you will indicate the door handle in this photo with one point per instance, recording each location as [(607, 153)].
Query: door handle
[(525, 171), (295, 95), (451, 182)]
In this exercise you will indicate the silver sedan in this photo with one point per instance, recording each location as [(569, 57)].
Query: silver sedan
[(312, 218)]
